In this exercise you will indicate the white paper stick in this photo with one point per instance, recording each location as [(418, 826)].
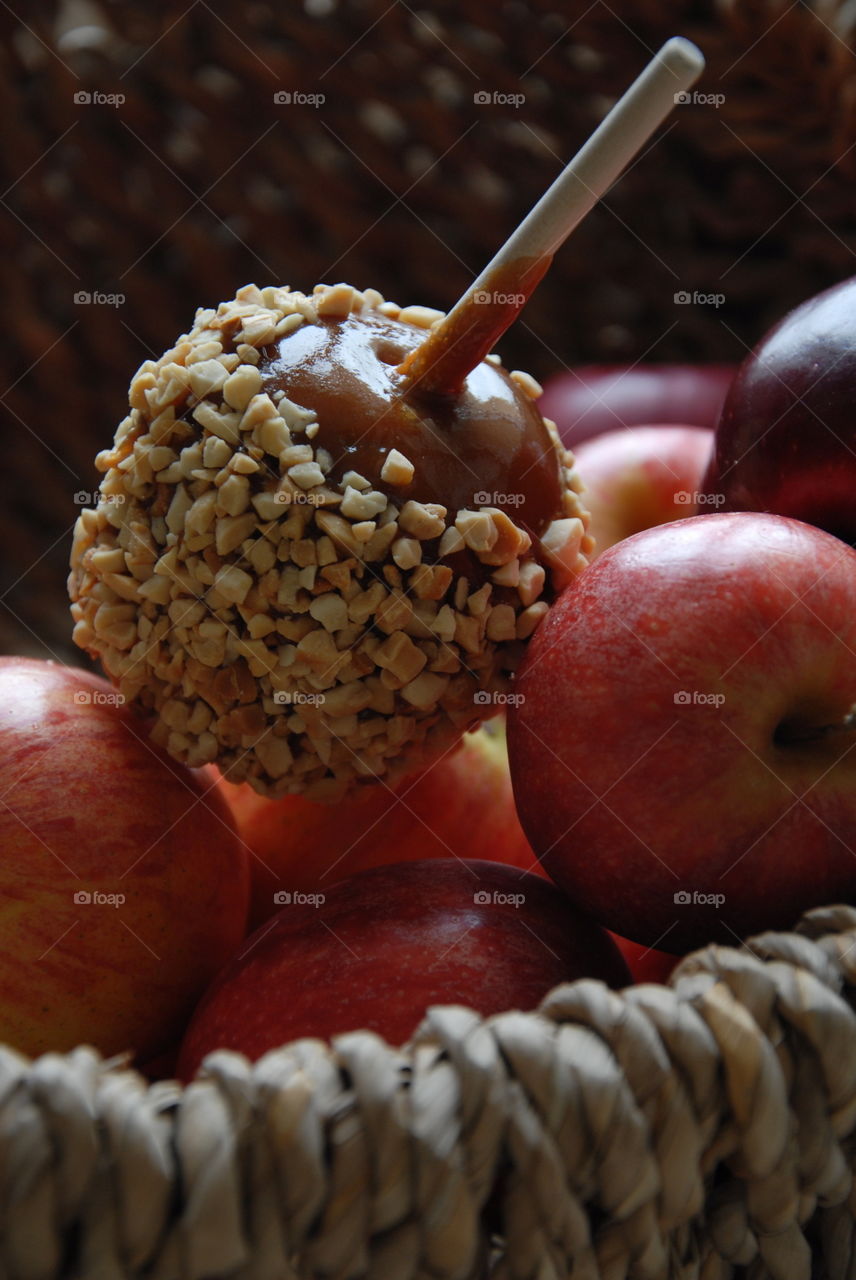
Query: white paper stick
[(617, 139)]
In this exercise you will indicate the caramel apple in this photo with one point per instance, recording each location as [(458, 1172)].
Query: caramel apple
[(306, 567)]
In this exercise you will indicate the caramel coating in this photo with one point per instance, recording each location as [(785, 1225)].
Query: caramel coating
[(488, 439)]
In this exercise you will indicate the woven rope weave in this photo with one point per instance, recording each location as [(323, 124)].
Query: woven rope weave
[(705, 1129)]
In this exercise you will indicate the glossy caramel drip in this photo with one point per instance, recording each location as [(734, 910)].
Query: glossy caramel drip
[(474, 326), (488, 439)]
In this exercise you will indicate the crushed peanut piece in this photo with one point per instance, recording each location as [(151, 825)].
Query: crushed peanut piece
[(424, 520), (397, 469), (561, 544), (358, 505), (422, 317), (527, 384)]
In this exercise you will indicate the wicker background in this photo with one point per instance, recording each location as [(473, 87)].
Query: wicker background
[(199, 181)]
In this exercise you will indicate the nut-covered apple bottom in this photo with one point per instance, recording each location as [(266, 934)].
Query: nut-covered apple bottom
[(311, 573)]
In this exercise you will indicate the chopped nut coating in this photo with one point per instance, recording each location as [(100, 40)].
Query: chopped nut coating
[(308, 625)]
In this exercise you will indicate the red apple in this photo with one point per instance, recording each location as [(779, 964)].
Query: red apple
[(681, 753), (591, 399), (460, 807), (124, 885), (385, 944), (646, 964), (786, 440), (642, 476)]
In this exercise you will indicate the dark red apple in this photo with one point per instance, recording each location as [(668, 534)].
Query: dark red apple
[(786, 440), (591, 399), (681, 752), (390, 941)]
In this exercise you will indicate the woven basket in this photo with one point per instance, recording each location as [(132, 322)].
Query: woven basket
[(400, 180), (704, 1129)]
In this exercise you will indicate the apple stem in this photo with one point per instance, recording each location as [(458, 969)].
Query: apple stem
[(479, 318)]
